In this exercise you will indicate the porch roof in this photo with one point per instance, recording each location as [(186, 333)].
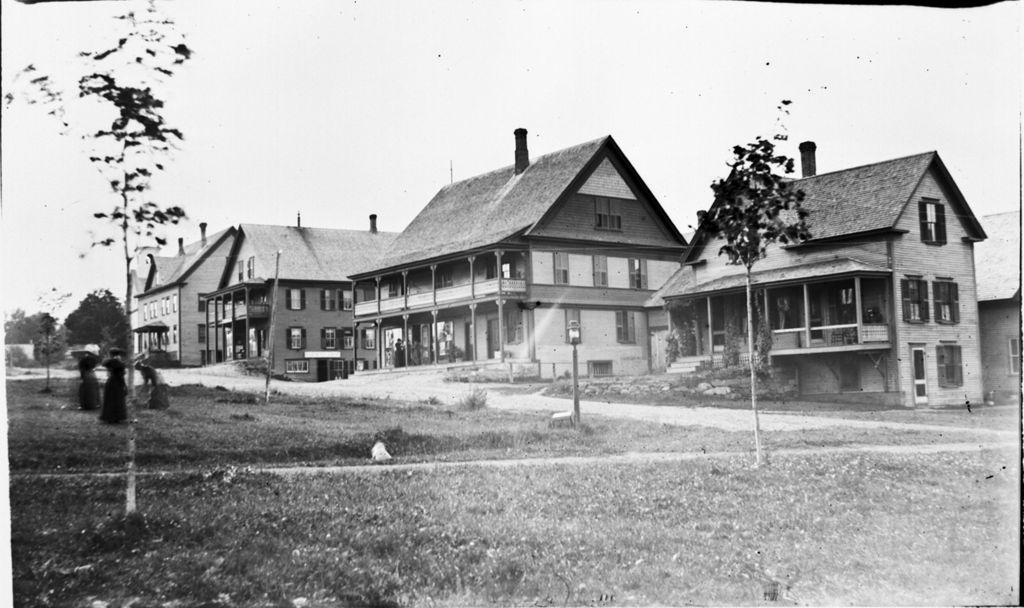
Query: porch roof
[(837, 268), (153, 327)]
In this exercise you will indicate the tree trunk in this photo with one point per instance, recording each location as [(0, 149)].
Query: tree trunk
[(129, 492), (753, 373)]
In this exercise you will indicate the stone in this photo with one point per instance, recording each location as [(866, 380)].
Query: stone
[(718, 390), (379, 453), (704, 386)]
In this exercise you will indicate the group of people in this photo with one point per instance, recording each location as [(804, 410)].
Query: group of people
[(113, 407)]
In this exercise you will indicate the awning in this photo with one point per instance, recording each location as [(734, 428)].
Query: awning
[(155, 327), (839, 267)]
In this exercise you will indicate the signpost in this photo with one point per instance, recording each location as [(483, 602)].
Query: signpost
[(574, 339)]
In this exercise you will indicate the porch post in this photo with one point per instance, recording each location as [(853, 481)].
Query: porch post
[(234, 338), (405, 338), (377, 283), (472, 285), (355, 335), (378, 340), (405, 290), (216, 327), (433, 332), (860, 313), (711, 332), (433, 284), (472, 324), (501, 312), (807, 316), (206, 332), (246, 304)]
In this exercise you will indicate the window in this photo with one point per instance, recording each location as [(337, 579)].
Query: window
[(561, 268), (443, 278), (572, 314), (915, 300), (598, 369), (296, 338), (947, 359), (241, 270), (174, 334), (327, 301), (201, 334), (625, 327), (606, 214), (163, 306), (174, 303), (296, 366), (346, 299), (1014, 348), (637, 273), (346, 339), (933, 221), (600, 271), (329, 338), (947, 302), (369, 339), (394, 288), (296, 299), (202, 304), (250, 268)]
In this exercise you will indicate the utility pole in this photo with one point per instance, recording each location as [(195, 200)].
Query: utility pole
[(574, 339), (273, 318)]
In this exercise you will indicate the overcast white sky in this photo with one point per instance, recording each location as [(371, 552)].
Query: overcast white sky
[(342, 109)]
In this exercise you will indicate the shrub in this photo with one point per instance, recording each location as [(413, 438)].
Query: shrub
[(477, 400)]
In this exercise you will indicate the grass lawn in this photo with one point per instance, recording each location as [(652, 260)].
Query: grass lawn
[(206, 427), (830, 529)]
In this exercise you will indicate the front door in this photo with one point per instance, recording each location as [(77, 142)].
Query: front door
[(920, 378), (493, 338), (321, 370)]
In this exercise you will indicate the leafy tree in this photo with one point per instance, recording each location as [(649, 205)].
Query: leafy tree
[(755, 207), (20, 328), (99, 319), (130, 150)]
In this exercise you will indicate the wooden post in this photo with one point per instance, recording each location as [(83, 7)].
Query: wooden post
[(472, 323), (270, 334), (807, 316), (860, 313), (433, 335)]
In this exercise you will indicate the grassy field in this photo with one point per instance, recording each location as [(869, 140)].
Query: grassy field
[(878, 530), (828, 529), (206, 427)]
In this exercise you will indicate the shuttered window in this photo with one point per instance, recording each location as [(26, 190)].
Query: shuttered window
[(915, 300), (933, 221), (625, 327), (947, 360), (327, 299), (946, 296), (600, 271), (296, 338), (561, 268), (296, 299), (329, 338), (606, 214)]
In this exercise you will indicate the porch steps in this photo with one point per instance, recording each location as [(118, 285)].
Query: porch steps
[(688, 365)]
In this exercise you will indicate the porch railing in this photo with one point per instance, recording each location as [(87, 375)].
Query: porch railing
[(846, 334), (446, 294)]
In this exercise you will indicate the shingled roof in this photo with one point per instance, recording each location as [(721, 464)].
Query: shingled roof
[(315, 254), (171, 270), (865, 199), (489, 208), (997, 259)]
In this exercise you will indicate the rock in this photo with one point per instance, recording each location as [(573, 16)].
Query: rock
[(718, 390), (704, 386), (379, 453)]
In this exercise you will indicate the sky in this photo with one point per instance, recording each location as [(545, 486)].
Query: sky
[(337, 110)]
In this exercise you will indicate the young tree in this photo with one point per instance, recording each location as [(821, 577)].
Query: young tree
[(49, 342), (130, 150), (755, 206)]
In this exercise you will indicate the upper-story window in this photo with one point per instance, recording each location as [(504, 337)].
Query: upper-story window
[(329, 338), (346, 299), (606, 214), (637, 273), (296, 299), (250, 268), (241, 270), (933, 221), (174, 303), (947, 301), (443, 278), (561, 268), (915, 300), (296, 338), (327, 301), (202, 304), (600, 271)]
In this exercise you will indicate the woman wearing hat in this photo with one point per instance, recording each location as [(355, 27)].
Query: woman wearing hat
[(114, 407)]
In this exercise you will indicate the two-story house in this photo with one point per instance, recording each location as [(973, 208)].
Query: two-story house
[(997, 261), (496, 266), (879, 305), (314, 334), (169, 310)]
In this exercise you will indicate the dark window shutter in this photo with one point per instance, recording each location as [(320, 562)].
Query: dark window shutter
[(958, 370), (922, 210), (302, 338), (922, 287), (940, 365), (940, 224), (938, 289), (323, 338), (954, 297), (905, 294), (302, 301)]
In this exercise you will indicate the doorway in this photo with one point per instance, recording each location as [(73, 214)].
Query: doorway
[(493, 338), (920, 377)]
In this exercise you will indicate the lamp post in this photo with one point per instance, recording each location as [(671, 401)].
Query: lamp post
[(574, 339)]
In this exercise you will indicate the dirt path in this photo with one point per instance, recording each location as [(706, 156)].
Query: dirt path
[(421, 386)]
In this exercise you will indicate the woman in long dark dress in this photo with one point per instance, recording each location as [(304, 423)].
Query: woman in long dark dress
[(114, 391), (89, 389)]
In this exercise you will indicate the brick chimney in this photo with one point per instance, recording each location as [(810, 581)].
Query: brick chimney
[(202, 232), (522, 154), (373, 223), (181, 246), (298, 219), (807, 161)]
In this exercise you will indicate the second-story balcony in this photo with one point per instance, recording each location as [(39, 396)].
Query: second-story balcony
[(444, 295)]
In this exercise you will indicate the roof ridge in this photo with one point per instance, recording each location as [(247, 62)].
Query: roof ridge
[(286, 226), (866, 165)]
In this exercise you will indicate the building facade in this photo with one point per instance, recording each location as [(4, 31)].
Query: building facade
[(998, 271), (878, 306), (495, 268)]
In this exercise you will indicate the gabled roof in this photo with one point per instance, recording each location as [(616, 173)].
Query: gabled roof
[(165, 271), (997, 259), (866, 199), (500, 205), (311, 254)]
